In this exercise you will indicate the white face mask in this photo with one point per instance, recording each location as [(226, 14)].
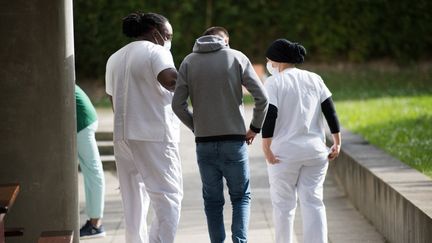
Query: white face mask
[(167, 45), (271, 69)]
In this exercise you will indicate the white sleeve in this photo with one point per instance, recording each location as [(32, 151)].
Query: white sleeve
[(108, 79), (270, 86), (324, 92), (161, 59)]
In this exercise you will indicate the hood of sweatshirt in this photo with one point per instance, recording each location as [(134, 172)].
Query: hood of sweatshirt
[(209, 43)]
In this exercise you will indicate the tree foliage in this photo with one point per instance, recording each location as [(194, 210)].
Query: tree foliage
[(331, 30)]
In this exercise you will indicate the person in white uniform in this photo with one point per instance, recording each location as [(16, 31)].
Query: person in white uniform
[(140, 79), (294, 142)]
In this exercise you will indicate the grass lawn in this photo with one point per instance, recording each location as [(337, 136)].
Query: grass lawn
[(390, 109), (402, 126)]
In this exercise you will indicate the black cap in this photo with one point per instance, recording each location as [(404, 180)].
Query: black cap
[(282, 50)]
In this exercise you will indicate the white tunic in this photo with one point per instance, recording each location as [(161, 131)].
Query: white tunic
[(142, 107), (146, 136), (299, 130)]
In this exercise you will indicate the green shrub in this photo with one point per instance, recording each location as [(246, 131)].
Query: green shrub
[(354, 31)]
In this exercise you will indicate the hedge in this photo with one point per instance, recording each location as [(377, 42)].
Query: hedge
[(331, 30)]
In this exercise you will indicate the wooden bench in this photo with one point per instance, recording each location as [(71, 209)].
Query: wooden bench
[(56, 237), (8, 194)]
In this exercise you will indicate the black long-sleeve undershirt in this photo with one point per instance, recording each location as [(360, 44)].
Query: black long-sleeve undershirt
[(329, 111), (327, 108), (268, 127)]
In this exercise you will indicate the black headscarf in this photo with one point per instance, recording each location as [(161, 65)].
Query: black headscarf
[(282, 50)]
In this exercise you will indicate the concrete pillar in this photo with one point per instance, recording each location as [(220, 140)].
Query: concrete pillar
[(37, 115)]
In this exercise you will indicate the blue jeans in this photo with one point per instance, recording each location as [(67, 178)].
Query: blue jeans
[(229, 160)]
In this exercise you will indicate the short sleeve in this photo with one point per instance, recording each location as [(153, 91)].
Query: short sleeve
[(323, 90), (270, 86), (161, 59), (108, 79)]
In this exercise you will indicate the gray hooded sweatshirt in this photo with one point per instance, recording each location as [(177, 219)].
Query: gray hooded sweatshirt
[(213, 76)]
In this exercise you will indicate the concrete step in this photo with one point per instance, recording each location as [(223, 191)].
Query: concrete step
[(108, 162), (104, 136), (105, 147)]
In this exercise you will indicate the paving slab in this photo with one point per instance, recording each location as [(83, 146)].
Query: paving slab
[(345, 223)]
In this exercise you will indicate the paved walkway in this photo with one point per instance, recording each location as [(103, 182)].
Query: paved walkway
[(345, 224)]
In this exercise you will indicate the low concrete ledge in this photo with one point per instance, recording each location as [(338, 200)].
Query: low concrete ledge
[(394, 197)]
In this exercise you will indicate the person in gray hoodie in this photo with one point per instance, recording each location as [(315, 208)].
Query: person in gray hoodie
[(212, 77)]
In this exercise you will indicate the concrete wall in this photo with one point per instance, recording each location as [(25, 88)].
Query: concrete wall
[(392, 196), (37, 115)]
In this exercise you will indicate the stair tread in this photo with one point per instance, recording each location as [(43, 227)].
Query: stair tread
[(105, 143), (107, 158)]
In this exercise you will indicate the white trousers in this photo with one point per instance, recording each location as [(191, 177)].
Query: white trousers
[(149, 172), (301, 180)]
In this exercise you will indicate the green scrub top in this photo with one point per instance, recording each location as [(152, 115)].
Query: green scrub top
[(85, 111)]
